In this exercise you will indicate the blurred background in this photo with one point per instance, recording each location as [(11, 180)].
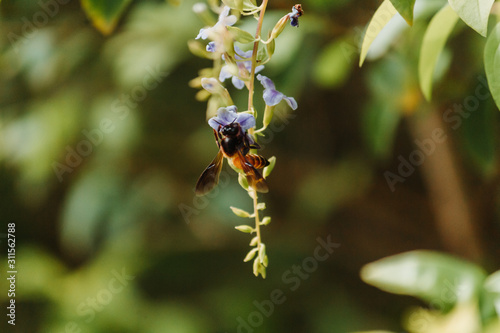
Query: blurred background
[(102, 142)]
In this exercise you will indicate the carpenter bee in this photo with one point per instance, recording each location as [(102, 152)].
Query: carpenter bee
[(234, 144)]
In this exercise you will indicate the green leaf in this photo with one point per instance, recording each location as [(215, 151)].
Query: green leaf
[(268, 115), (492, 283), (427, 275), (267, 170), (474, 13), (492, 63), (239, 212), (240, 35), (104, 14), (435, 37), (261, 206), (491, 297), (249, 5), (405, 9), (480, 138), (270, 47), (234, 4), (381, 17), (380, 121)]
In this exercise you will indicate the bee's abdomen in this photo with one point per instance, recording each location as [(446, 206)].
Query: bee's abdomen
[(257, 161)]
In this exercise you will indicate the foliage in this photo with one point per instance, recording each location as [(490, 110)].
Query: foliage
[(461, 297), (102, 141)]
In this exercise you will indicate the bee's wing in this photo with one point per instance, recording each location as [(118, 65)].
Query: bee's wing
[(254, 177), (210, 177)]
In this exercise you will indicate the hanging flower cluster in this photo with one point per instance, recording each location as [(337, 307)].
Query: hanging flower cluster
[(235, 131)]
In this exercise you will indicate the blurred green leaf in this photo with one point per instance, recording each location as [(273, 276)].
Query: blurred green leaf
[(430, 276), (343, 182), (492, 283), (104, 14), (380, 121), (435, 37), (234, 4), (89, 203), (381, 17), (388, 85), (333, 65), (474, 13), (240, 35), (492, 63), (480, 138), (405, 9), (268, 115), (492, 288)]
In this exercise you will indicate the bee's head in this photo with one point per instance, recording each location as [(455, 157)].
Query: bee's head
[(231, 129)]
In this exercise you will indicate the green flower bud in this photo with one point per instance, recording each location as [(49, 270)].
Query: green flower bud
[(250, 255), (244, 228), (278, 28), (239, 212)]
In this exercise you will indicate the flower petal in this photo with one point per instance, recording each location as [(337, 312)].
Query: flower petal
[(230, 20), (266, 82), (213, 123), (225, 13), (224, 74), (291, 102), (246, 120), (227, 115), (242, 54), (211, 47), (272, 97), (232, 109), (225, 18), (259, 68), (203, 34), (237, 83)]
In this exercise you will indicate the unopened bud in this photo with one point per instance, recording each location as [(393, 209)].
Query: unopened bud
[(278, 28)]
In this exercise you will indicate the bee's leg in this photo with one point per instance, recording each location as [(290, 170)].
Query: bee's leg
[(217, 137)]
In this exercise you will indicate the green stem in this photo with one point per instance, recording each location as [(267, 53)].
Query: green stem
[(256, 214), (254, 56)]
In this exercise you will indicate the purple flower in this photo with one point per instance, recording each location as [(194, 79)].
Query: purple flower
[(228, 115), (247, 64), (273, 96), (295, 14), (211, 47), (224, 20)]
